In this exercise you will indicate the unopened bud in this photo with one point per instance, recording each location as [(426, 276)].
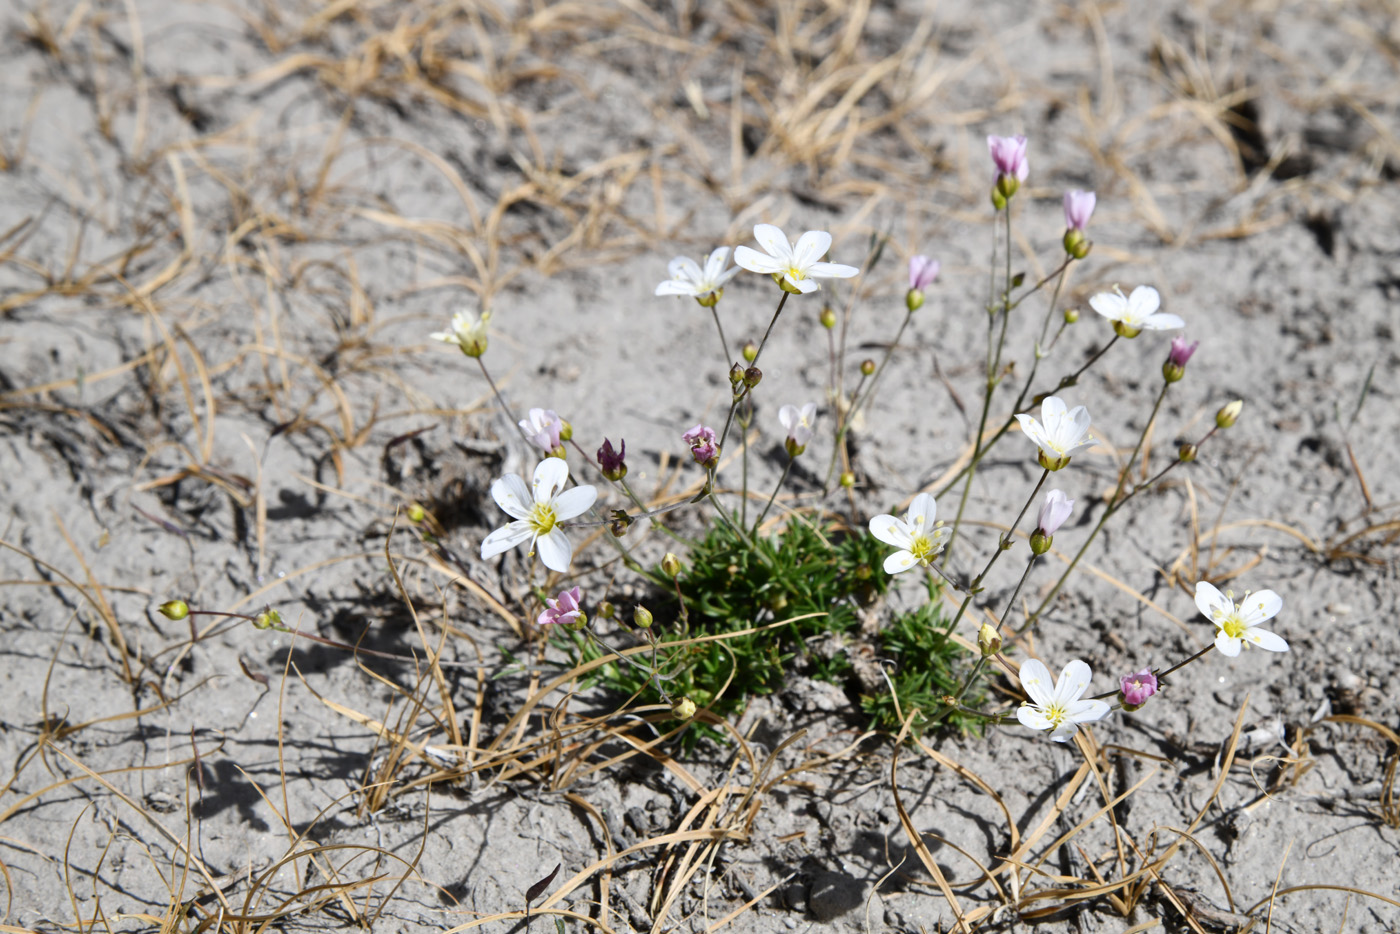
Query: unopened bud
[(753, 376), (683, 709), (736, 377), (827, 317), (605, 609), (175, 609), (750, 351), (863, 572), (1186, 453), (566, 431), (1071, 315), (914, 299), (416, 513), (998, 199), (867, 368), (1040, 542), (848, 479), (641, 617), (670, 564), (1229, 414), (1076, 244), (268, 619), (988, 641)]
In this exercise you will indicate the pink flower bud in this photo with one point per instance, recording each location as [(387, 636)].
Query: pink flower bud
[(1054, 512), (704, 445), (611, 462), (1138, 687), (1009, 155), (1079, 207), (922, 272), (1181, 351)]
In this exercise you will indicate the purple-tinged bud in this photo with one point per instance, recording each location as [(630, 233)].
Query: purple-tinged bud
[(1079, 207), (922, 272), (753, 376), (1137, 688), (1181, 351), (611, 462), (1009, 156), (1054, 512)]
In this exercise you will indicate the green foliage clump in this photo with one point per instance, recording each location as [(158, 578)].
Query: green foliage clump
[(810, 581)]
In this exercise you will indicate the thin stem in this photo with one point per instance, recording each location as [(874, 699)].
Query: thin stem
[(501, 399), (781, 302), (724, 345), (781, 480)]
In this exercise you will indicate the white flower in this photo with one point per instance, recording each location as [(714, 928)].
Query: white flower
[(1137, 312), (468, 332), (799, 424), (705, 286), (918, 538), (1239, 623), (1056, 706), (543, 428), (538, 513), (796, 265), (1063, 434)]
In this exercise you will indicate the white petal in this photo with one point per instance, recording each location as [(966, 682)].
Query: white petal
[(505, 538), (574, 502), (1109, 304), (555, 550), (1161, 322), (811, 247), (922, 513), (1260, 606), (900, 561), (1035, 678), (754, 261), (719, 280), (789, 416), (773, 240), (1266, 640), (683, 267), (1078, 419), (1074, 681), (714, 263), (1052, 409), (1064, 732), (550, 476), (1086, 711), (1208, 600), (805, 286), (1085, 445), (512, 495), (832, 271), (890, 530), (676, 287), (1227, 645), (1032, 717), (1143, 302)]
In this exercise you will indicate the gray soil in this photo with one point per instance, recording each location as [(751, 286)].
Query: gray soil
[(228, 230)]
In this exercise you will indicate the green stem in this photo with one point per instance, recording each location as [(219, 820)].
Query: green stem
[(781, 480), (724, 345)]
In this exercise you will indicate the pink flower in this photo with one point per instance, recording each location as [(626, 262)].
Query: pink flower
[(704, 445), (1079, 207), (1054, 512), (1137, 688), (1009, 154), (543, 427), (563, 608), (1181, 351), (922, 272)]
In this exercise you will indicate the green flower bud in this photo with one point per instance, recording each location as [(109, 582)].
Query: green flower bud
[(753, 376), (1071, 315), (606, 609), (566, 431), (848, 479), (1040, 542), (175, 609), (750, 352), (1227, 416), (914, 299), (998, 199), (670, 564), (828, 318), (641, 617), (1186, 453), (867, 368), (988, 641), (1076, 244), (416, 513)]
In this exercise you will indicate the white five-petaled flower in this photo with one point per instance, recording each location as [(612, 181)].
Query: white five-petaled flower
[(538, 511), (467, 332), (704, 285), (1061, 435), (800, 424), (1135, 312), (917, 536), (1056, 705), (1239, 622), (793, 266)]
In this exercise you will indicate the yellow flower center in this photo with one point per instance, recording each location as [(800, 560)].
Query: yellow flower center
[(542, 518), (921, 547), (1056, 714)]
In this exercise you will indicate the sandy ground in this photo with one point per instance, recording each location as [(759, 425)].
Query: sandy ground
[(228, 230)]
